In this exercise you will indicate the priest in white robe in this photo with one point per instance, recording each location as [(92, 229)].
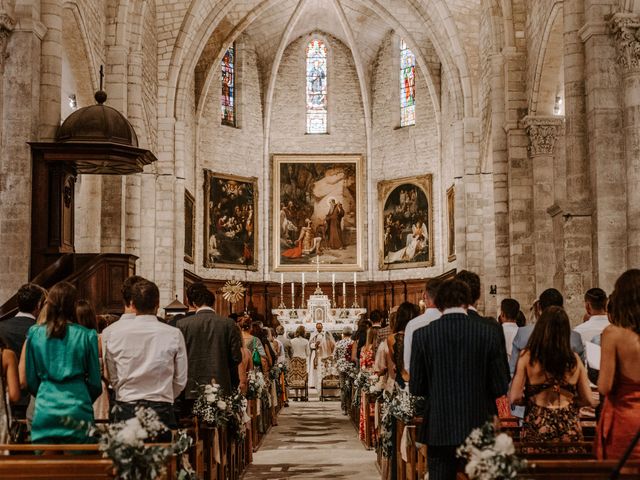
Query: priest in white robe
[(322, 345)]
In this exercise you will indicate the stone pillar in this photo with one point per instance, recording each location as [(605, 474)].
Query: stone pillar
[(51, 70), (543, 133), (626, 30)]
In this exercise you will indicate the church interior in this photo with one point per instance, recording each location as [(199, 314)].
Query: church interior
[(313, 162)]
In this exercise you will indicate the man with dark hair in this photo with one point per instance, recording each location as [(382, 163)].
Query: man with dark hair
[(14, 330), (595, 303), (461, 384), (509, 310), (214, 346), (430, 314), (382, 332), (550, 297), (145, 359)]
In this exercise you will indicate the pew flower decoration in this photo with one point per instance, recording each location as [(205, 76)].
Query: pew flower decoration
[(211, 406), (398, 404), (238, 416), (360, 384), (256, 385), (276, 370), (489, 455), (376, 385), (347, 368)]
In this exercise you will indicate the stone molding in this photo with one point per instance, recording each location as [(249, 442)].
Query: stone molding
[(7, 24), (625, 28), (543, 131)]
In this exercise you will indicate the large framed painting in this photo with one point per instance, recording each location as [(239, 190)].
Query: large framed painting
[(317, 211), (451, 225), (406, 219), (189, 226), (231, 212)]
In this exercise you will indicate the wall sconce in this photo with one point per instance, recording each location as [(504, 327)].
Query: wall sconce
[(493, 289), (73, 102)]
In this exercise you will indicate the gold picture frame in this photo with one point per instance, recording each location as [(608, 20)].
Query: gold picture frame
[(189, 227), (318, 207), (230, 221), (451, 223), (405, 207)]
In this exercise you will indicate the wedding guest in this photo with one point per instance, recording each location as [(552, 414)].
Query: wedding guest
[(407, 311), (300, 345), (62, 370), (619, 380), (9, 388), (430, 314), (253, 344), (342, 353), (245, 366), (379, 324), (461, 384), (285, 341), (551, 382), (86, 316), (509, 311), (146, 359), (366, 364), (595, 304), (359, 339), (521, 319)]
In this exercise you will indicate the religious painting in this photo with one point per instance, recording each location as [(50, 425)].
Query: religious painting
[(317, 210), (231, 207), (406, 219), (189, 226), (451, 226)]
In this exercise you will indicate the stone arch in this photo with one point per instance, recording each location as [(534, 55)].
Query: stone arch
[(75, 37)]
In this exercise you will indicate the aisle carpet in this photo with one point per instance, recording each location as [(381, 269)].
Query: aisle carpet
[(313, 440)]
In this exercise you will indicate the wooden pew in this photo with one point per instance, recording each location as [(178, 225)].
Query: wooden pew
[(577, 470)]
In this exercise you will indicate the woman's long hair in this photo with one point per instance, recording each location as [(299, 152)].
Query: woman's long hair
[(86, 315), (624, 303), (550, 343), (59, 309), (372, 335), (407, 311)]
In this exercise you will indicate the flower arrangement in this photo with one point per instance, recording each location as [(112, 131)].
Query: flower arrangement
[(346, 367), (276, 370), (256, 385), (398, 404), (211, 406), (238, 417), (123, 443), (489, 455)]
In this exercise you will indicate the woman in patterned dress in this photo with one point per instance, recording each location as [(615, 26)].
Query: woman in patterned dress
[(551, 381), (367, 359)]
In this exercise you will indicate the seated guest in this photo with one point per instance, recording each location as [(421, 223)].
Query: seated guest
[(619, 380), (595, 303), (213, 345), (430, 314), (62, 369), (461, 384), (509, 311), (407, 311), (9, 388), (14, 330), (549, 298), (145, 359), (551, 381)]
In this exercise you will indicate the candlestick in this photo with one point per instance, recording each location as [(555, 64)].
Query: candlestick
[(302, 294), (293, 297), (355, 292), (281, 278), (333, 290), (355, 278), (282, 305)]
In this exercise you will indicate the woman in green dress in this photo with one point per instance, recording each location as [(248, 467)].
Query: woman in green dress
[(63, 370)]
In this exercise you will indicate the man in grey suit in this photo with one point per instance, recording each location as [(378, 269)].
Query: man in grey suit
[(458, 365), (213, 344)]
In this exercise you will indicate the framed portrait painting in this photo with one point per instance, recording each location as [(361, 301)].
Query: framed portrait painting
[(231, 211), (406, 223), (189, 226), (317, 211)]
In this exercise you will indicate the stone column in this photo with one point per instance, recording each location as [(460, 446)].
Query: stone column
[(51, 70), (543, 133), (626, 30)]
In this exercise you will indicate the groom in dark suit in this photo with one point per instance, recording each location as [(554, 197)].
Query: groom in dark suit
[(458, 365)]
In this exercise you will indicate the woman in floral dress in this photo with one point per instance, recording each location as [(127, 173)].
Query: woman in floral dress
[(367, 358)]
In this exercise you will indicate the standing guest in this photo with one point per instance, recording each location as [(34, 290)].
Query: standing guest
[(619, 380), (460, 384), (521, 319), (146, 359), (253, 344), (509, 311), (62, 369), (430, 314), (213, 346), (366, 364), (258, 331), (14, 330), (285, 341), (191, 308), (9, 388), (359, 339), (343, 353), (300, 345), (379, 324), (86, 316), (595, 303), (245, 366), (549, 298), (407, 311), (552, 382)]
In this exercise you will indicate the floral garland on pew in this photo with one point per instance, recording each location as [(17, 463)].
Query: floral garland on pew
[(398, 404), (217, 410), (274, 375), (366, 382), (490, 456), (256, 385)]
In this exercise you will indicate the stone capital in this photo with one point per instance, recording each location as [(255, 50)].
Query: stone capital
[(625, 28), (7, 24), (543, 132)]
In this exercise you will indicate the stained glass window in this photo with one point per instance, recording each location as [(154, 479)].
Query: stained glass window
[(228, 96), (407, 86), (316, 87)]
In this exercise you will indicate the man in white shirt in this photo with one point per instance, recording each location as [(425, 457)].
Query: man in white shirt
[(145, 359), (429, 315), (595, 302), (509, 309)]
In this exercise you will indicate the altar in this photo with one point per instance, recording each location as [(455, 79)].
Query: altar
[(318, 309)]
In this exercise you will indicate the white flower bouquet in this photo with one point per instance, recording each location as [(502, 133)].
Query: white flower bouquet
[(238, 414), (489, 455), (346, 367), (212, 406), (256, 384)]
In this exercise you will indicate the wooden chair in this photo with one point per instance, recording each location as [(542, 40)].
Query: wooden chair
[(298, 379), (330, 382)]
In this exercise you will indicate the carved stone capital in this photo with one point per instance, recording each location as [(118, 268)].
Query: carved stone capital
[(543, 133), (7, 24), (625, 28)]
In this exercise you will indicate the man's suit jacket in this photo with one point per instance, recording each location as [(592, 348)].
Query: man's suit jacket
[(492, 322), (458, 365), (14, 332), (213, 350)]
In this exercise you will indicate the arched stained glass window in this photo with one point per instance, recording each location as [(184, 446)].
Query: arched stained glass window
[(407, 86), (228, 96), (316, 87)]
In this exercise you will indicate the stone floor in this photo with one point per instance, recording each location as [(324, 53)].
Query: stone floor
[(313, 440)]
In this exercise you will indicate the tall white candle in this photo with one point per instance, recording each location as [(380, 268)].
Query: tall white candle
[(293, 290), (344, 289), (333, 279), (303, 278), (355, 278), (282, 279)]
